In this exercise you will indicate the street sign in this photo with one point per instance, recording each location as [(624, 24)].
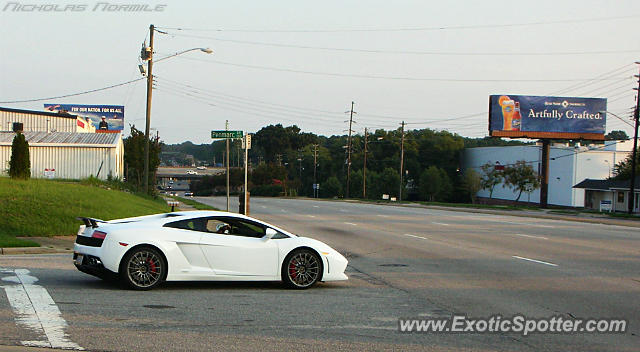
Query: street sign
[(226, 134)]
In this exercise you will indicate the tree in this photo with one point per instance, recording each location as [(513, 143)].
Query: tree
[(19, 164), (472, 183), (491, 177), (435, 184), (134, 158), (617, 135), (622, 170), (331, 188), (521, 177)]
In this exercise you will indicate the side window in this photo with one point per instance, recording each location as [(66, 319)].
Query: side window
[(197, 224), (240, 227), (218, 226)]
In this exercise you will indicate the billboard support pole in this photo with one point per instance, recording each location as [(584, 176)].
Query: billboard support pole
[(544, 187)]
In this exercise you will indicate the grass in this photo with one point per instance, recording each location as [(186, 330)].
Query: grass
[(195, 204), (41, 207)]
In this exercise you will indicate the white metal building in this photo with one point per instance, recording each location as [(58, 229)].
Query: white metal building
[(43, 121), (69, 155), (568, 166)]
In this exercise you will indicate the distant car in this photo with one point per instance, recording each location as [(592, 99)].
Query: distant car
[(144, 251), (201, 167), (192, 172), (188, 194)]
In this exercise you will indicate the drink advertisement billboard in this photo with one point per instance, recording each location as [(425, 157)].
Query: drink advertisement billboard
[(105, 118), (547, 117)]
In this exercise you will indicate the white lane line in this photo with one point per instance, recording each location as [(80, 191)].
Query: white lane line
[(533, 260), (263, 206), (284, 211), (439, 223), (311, 216), (342, 210), (315, 206), (36, 310), (384, 216), (350, 223), (530, 236), (414, 236)]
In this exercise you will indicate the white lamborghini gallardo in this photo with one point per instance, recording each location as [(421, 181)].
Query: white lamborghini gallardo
[(144, 251)]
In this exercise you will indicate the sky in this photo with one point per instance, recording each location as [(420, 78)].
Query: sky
[(432, 64)]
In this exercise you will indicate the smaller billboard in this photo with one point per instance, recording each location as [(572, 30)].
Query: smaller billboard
[(104, 118), (547, 117)]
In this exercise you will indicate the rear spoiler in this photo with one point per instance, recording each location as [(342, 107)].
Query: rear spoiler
[(90, 222)]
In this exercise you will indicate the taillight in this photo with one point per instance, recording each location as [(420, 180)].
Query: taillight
[(99, 234)]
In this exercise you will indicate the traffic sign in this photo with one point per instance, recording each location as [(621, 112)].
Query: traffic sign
[(226, 134)]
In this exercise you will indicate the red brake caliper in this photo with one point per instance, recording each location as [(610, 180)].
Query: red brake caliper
[(292, 270), (152, 266)]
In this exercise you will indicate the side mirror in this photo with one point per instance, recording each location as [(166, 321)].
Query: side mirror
[(270, 233)]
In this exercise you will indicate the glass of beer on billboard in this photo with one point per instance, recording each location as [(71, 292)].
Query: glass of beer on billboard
[(508, 110)]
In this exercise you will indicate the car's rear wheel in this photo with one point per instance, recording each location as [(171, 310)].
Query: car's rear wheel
[(301, 269), (143, 268)]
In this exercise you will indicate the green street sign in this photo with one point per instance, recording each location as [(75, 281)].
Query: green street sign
[(226, 134)]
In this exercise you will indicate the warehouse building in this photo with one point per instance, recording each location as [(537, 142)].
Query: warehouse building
[(68, 155), (568, 166), (42, 121)]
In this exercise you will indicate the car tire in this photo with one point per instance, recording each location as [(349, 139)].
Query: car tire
[(301, 269), (142, 268)]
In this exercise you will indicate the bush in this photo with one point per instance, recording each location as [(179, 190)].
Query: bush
[(267, 190), (19, 164)]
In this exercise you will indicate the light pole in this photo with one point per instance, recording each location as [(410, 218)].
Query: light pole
[(147, 54)]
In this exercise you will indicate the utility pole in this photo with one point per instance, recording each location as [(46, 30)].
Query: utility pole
[(148, 117), (247, 139), (349, 152), (635, 148), (315, 164), (401, 162), (364, 168), (226, 127)]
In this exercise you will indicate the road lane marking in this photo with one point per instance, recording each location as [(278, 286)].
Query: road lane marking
[(311, 216), (384, 216), (342, 210), (530, 236), (533, 260), (36, 310), (350, 223), (284, 211), (414, 236), (263, 206), (315, 206), (439, 223)]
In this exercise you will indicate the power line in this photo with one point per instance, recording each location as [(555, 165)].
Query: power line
[(72, 94), (211, 99), (405, 52), (405, 29), (402, 78), (255, 101)]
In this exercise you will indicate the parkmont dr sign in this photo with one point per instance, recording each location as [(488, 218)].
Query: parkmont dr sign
[(547, 117)]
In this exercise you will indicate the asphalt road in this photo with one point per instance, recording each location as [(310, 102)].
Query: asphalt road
[(404, 262)]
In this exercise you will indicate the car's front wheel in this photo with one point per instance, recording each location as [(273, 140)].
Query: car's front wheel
[(301, 269), (142, 268)]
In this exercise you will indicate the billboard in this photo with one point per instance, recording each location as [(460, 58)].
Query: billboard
[(547, 117), (105, 118)]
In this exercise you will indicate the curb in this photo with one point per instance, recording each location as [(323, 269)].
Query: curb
[(31, 250)]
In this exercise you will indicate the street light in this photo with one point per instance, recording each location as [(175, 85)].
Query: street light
[(147, 54), (204, 50)]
